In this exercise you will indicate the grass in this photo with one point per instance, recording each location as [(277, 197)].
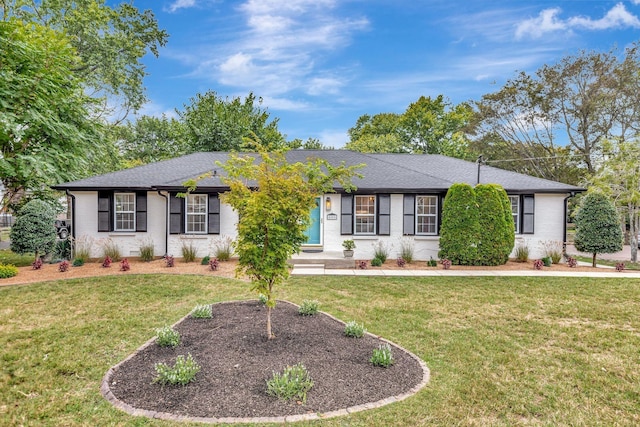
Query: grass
[(8, 257), (502, 351), (628, 265)]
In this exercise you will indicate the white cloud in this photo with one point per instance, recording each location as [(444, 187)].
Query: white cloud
[(334, 138), (282, 48), (283, 104), (181, 4), (549, 21)]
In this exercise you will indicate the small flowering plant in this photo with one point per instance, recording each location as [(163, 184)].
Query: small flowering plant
[(619, 266), (37, 264), (170, 260), (446, 263), (124, 265), (107, 262), (63, 266)]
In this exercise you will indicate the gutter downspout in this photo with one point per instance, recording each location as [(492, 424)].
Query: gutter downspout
[(566, 221), (166, 228), (73, 217)]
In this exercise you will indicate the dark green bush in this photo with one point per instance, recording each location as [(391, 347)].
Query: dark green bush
[(376, 262), (597, 226), (496, 233), (78, 262), (459, 229), (34, 229)]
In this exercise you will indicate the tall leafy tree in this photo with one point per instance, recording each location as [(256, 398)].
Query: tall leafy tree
[(496, 231), (45, 129), (110, 42), (435, 126), (459, 232), (275, 212), (150, 139), (213, 123), (597, 226), (619, 179)]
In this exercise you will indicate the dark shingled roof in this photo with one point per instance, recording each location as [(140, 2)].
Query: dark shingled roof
[(381, 173)]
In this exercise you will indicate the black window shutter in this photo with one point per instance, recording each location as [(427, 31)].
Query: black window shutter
[(141, 211), (176, 214), (105, 211), (384, 214), (214, 214), (346, 214), (409, 216), (528, 212)]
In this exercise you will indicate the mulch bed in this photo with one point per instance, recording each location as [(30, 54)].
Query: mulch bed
[(237, 359)]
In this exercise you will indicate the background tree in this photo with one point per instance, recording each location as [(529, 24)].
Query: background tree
[(459, 230), (150, 139), (110, 42), (597, 226), (275, 212), (46, 135), (309, 144), (619, 179), (496, 231), (435, 126), (33, 230), (212, 123)]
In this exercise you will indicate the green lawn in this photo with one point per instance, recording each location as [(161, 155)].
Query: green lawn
[(8, 257), (502, 351)]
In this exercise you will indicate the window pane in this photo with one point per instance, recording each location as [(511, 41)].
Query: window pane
[(365, 225), (365, 214), (426, 214), (197, 213), (125, 206)]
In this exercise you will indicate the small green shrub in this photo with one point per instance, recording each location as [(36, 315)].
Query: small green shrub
[(553, 250), (78, 262), (406, 249), (33, 230), (382, 356), (167, 337), (380, 251), (8, 270), (294, 382), (432, 262), (181, 373), (522, 253), (308, 307), (189, 252), (202, 312), (349, 245), (110, 249), (223, 248), (62, 249), (263, 299), (205, 260), (546, 261), (376, 262), (354, 329), (146, 250)]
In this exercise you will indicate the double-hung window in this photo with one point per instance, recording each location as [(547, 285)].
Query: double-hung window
[(196, 217), (125, 212), (515, 212), (427, 215), (365, 215)]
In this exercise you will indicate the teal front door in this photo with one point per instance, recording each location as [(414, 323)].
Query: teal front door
[(313, 232)]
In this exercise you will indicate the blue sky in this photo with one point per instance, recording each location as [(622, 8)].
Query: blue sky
[(320, 64)]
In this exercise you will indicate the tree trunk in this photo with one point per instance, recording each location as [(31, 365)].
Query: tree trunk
[(593, 264), (269, 334)]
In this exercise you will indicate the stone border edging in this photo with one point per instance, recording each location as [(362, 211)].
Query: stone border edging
[(131, 410)]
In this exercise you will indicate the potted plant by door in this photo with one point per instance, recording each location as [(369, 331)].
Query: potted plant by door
[(349, 246)]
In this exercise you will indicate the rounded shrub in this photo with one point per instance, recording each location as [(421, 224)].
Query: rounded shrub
[(8, 270), (34, 230), (496, 233)]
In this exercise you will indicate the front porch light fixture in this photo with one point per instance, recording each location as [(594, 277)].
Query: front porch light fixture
[(327, 204)]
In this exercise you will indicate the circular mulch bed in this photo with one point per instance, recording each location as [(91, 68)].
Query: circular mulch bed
[(237, 359)]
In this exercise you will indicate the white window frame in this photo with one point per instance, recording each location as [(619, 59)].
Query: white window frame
[(120, 212), (428, 215), (189, 215), (515, 213), (361, 215)]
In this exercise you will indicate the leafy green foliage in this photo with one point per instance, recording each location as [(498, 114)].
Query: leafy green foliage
[(111, 249), (275, 212), (382, 356), (9, 257), (151, 139), (496, 232), (202, 311), (167, 337), (380, 251), (33, 230), (459, 229), (181, 373), (407, 247), (597, 226), (78, 262), (376, 262), (308, 307), (354, 329), (146, 250), (45, 130), (8, 270), (223, 248), (522, 252), (293, 383)]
